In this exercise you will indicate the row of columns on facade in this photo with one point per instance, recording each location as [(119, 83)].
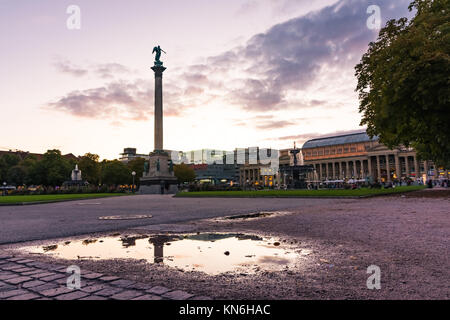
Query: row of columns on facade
[(349, 169), (252, 176)]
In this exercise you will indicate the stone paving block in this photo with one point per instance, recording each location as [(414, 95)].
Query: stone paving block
[(26, 296), (109, 278), (94, 288), (108, 292), (54, 277), (12, 293), (127, 295), (14, 259), (141, 286), (92, 275), (33, 283), (122, 283), (58, 267), (72, 296), (24, 269), (177, 295), (11, 266), (3, 262), (200, 298), (148, 297), (44, 287), (94, 298), (5, 256), (7, 287), (64, 281), (7, 276), (35, 271), (158, 290), (24, 261), (18, 280), (62, 269), (55, 291), (42, 275)]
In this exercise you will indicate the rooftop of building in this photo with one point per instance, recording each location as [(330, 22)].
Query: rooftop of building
[(339, 140)]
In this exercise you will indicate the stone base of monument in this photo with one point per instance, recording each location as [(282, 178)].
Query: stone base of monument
[(159, 179)]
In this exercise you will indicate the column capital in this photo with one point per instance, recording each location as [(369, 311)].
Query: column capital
[(158, 70)]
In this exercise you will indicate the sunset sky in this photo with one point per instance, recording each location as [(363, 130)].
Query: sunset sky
[(240, 73)]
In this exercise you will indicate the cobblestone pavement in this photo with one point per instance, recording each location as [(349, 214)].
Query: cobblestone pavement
[(26, 279)]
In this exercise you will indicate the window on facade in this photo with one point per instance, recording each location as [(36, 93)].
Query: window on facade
[(345, 150), (327, 151), (353, 149), (339, 150)]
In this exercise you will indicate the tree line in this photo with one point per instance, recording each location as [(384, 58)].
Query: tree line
[(52, 169)]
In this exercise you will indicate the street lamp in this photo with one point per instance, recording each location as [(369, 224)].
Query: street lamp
[(133, 174)]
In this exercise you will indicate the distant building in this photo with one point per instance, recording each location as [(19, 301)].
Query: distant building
[(216, 173), (23, 154), (129, 154), (357, 156)]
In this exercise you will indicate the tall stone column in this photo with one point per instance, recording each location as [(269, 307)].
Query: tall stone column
[(398, 171), (407, 166), (369, 163), (158, 107), (355, 174), (159, 177), (327, 170), (416, 167), (362, 168), (340, 176), (388, 168), (347, 171), (320, 171), (334, 170), (378, 169)]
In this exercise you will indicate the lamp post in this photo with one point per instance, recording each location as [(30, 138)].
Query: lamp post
[(133, 174)]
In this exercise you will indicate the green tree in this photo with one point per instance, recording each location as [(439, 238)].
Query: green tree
[(90, 168), (137, 165), (404, 82), (184, 173), (7, 161), (115, 173), (17, 175), (52, 170)]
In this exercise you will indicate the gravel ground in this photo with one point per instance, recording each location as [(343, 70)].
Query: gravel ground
[(406, 236)]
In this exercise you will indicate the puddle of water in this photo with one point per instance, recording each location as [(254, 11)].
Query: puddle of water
[(212, 253), (255, 215), (129, 217)]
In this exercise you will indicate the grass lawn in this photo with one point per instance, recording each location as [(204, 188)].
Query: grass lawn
[(364, 192), (54, 197)]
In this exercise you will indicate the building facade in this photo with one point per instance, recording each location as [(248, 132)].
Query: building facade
[(357, 156)]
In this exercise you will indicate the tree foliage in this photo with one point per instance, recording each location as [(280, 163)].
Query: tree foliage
[(184, 173), (115, 173), (137, 165), (52, 170), (404, 82), (90, 168)]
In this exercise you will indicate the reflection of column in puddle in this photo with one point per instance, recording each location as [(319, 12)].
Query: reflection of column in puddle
[(158, 245), (158, 253)]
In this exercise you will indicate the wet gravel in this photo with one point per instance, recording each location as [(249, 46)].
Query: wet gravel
[(406, 236)]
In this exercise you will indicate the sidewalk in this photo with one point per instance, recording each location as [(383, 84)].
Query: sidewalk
[(25, 279)]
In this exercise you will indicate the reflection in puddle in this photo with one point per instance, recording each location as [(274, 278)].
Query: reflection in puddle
[(212, 253)]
